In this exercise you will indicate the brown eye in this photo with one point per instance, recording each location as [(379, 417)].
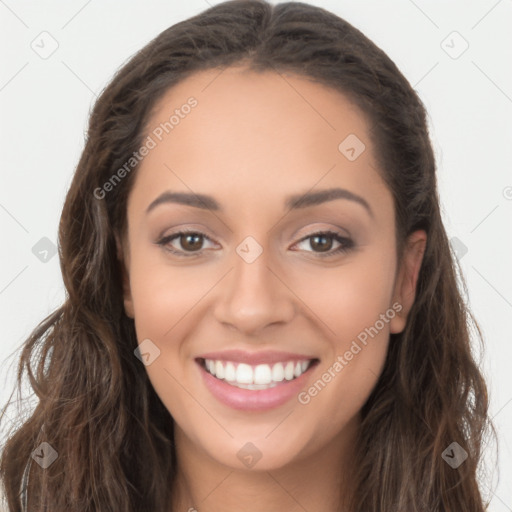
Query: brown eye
[(322, 243), (184, 243), (191, 241)]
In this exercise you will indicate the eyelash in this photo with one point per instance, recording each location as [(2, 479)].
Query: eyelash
[(346, 243)]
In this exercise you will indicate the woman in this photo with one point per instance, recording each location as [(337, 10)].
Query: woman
[(262, 307)]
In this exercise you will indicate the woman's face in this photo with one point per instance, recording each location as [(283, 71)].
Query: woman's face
[(257, 292)]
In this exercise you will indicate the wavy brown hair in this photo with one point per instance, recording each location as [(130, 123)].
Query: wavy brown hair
[(97, 407)]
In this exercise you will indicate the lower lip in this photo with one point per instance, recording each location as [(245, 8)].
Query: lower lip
[(254, 400)]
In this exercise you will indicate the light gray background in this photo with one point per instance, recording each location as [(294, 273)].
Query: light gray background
[(44, 106)]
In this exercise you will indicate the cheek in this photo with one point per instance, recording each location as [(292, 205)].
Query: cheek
[(355, 304), (349, 298), (352, 304), (163, 294), (164, 297)]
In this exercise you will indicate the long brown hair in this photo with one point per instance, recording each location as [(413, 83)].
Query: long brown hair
[(97, 408)]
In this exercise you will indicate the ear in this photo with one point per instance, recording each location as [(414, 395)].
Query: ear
[(407, 277), (123, 258)]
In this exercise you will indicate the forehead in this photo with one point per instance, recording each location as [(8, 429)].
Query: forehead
[(258, 134)]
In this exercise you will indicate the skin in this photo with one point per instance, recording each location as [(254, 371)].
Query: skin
[(252, 140)]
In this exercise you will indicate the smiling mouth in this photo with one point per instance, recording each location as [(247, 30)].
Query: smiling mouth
[(256, 377)]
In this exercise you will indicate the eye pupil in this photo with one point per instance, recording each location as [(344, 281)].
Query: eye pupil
[(321, 245)]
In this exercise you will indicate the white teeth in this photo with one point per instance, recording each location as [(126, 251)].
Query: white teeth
[(219, 370), (278, 372), (288, 370), (230, 373), (261, 376), (244, 373)]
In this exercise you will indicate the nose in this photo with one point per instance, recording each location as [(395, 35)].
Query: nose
[(254, 296)]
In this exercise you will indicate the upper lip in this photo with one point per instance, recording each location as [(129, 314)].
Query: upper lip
[(254, 358)]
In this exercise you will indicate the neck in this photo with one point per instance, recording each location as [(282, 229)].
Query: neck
[(315, 483)]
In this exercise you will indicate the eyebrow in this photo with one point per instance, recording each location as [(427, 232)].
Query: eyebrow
[(293, 202)]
